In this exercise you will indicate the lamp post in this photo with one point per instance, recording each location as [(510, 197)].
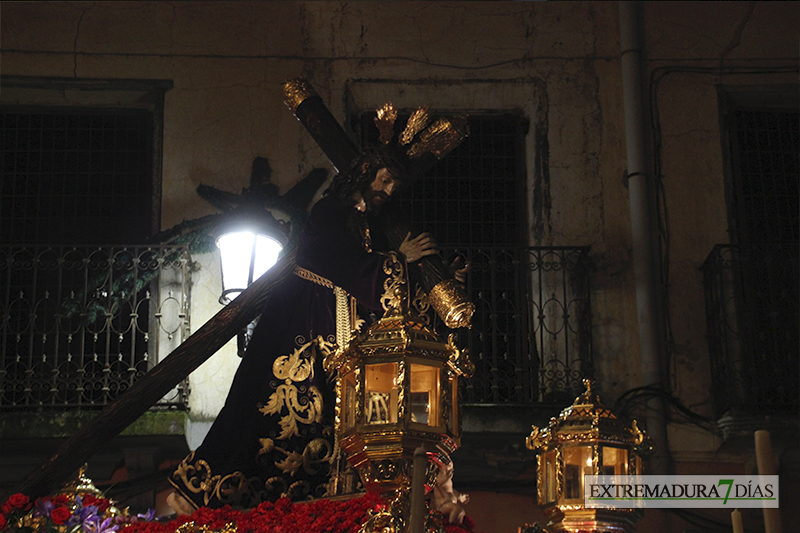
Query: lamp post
[(396, 390), (586, 439)]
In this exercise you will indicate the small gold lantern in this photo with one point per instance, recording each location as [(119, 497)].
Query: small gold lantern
[(585, 439), (397, 390)]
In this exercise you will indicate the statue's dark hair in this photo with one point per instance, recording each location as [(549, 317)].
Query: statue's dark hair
[(366, 167)]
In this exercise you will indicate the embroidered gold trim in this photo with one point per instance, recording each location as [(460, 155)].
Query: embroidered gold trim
[(346, 319), (311, 276), (198, 478), (293, 368)]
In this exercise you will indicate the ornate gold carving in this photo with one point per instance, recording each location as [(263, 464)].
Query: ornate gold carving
[(384, 470), (296, 91), (393, 268), (537, 440), (451, 304), (384, 121), (440, 138), (421, 305), (81, 485), (401, 390), (459, 361), (416, 122), (359, 393)]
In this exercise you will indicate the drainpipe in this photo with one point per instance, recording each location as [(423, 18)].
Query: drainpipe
[(642, 224)]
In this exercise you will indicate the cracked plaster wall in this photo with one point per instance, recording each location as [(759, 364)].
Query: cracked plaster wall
[(228, 61)]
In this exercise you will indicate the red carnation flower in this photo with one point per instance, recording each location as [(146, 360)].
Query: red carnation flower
[(2, 521), (101, 503), (60, 515), (283, 505), (61, 499), (17, 501)]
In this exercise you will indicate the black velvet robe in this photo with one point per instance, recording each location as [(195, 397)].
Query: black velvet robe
[(274, 436)]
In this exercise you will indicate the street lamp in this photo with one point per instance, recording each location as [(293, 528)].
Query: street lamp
[(249, 241), (249, 245)]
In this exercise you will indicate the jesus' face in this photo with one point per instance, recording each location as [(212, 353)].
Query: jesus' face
[(379, 190)]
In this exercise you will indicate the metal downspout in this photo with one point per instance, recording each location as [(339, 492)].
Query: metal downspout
[(642, 224)]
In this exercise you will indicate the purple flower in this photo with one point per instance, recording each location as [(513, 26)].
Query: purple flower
[(93, 524), (149, 516), (44, 506), (81, 515)]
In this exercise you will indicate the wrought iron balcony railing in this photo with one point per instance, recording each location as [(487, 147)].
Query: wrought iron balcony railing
[(531, 339), (751, 296), (79, 324)]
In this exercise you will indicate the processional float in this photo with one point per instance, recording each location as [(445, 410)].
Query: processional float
[(397, 382)]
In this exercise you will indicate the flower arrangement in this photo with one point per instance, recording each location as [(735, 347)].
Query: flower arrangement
[(88, 513), (282, 516), (64, 513)]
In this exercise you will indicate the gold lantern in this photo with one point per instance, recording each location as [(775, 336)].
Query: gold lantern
[(396, 390), (585, 439)]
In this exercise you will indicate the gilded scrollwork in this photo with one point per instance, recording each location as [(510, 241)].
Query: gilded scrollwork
[(421, 306), (459, 361), (392, 285), (537, 440)]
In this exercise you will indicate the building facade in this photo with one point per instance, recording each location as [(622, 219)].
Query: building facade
[(170, 96)]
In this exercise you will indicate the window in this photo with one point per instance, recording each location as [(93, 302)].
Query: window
[(76, 176), (85, 308), (80, 160), (759, 370)]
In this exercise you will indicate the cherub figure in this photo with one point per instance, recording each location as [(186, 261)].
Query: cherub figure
[(446, 499)]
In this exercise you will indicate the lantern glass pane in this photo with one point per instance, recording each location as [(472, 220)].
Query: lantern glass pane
[(424, 399), (267, 251), (615, 461), (235, 251), (577, 463), (380, 388), (550, 491)]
